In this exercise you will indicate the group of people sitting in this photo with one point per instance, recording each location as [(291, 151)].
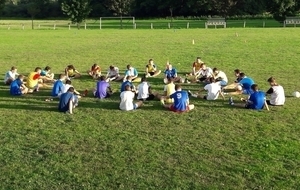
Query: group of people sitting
[(173, 98)]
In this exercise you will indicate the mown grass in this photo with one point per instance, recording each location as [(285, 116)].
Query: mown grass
[(214, 146), (109, 23)]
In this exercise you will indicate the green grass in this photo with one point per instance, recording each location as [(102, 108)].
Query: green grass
[(214, 146), (140, 24)]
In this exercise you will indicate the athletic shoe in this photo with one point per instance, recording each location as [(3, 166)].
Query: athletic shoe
[(162, 102), (187, 81), (190, 93), (230, 101)]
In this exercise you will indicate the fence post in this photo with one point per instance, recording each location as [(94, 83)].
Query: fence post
[(39, 26), (206, 25), (188, 25), (134, 26), (264, 24), (100, 23), (8, 27), (85, 25), (169, 25), (151, 26), (54, 27), (244, 24), (23, 27), (69, 26)]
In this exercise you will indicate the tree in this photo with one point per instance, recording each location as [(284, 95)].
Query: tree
[(76, 10), (2, 3), (120, 8), (33, 10), (282, 8)]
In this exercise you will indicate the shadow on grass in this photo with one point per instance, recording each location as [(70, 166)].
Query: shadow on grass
[(29, 107)]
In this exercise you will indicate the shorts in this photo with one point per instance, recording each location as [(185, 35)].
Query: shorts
[(97, 96), (222, 83), (151, 97), (178, 111), (151, 73)]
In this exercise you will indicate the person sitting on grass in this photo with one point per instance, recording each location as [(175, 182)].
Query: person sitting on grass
[(220, 77), (103, 89), (58, 87), (129, 83), (67, 101), (113, 74), (205, 74), (17, 87), (256, 100), (71, 72), (213, 91), (145, 91), (171, 72), (46, 74), (95, 71), (127, 103), (151, 69), (132, 72), (181, 101), (10, 75), (195, 70), (244, 86), (277, 93), (237, 73), (34, 80), (168, 90)]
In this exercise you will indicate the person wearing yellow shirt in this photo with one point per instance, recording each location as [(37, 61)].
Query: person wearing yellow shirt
[(33, 80), (71, 72), (169, 89), (151, 69)]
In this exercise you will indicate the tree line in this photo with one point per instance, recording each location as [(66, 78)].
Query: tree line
[(279, 9)]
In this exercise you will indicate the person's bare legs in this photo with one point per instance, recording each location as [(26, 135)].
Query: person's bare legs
[(139, 104), (119, 78), (71, 106), (156, 73), (24, 90), (231, 86), (191, 106), (77, 75), (137, 79)]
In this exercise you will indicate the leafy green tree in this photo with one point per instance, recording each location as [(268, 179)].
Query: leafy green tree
[(2, 3), (282, 8), (76, 10), (120, 8)]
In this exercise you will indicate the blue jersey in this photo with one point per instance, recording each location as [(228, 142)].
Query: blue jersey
[(125, 84), (64, 101), (131, 72), (171, 73), (180, 100), (257, 100), (15, 87), (246, 83), (57, 88)]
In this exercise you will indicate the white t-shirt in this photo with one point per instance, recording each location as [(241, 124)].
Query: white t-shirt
[(114, 72), (126, 103), (278, 96), (213, 90), (143, 90), (207, 72), (222, 76), (10, 74), (66, 88)]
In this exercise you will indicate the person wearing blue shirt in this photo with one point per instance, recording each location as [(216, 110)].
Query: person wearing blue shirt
[(181, 101), (66, 101), (132, 72), (17, 87), (58, 86), (127, 82), (246, 84), (171, 72), (256, 100)]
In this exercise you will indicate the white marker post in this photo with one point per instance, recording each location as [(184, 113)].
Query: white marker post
[(193, 42), (188, 25), (244, 24), (69, 26), (169, 25), (23, 27), (151, 26), (85, 25), (54, 26)]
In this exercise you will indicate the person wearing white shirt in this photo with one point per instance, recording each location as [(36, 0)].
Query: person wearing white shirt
[(10, 76), (213, 91), (205, 74), (277, 93), (113, 74), (126, 103), (220, 77), (144, 91)]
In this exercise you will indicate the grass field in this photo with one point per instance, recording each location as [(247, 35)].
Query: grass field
[(140, 24), (214, 146)]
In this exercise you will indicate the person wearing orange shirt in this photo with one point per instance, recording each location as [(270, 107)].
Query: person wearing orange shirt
[(95, 71)]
